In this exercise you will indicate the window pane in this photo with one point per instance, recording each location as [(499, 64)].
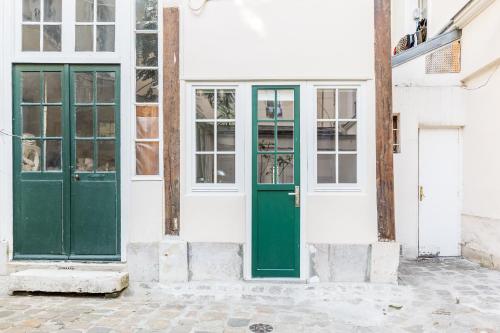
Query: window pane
[(326, 169), (146, 14), (31, 38), (326, 136), (105, 87), (265, 136), (52, 10), (32, 151), (146, 49), (204, 168), (53, 155), (84, 155), (31, 87), (347, 136), (226, 136), (52, 38), (265, 104), (204, 104), (285, 104), (285, 136), (225, 104), (326, 104), (105, 10), (265, 167), (147, 124), (84, 10), (84, 38), (84, 122), (284, 165), (147, 158), (226, 169), (31, 121), (347, 104), (52, 122), (106, 155), (106, 121), (347, 169), (146, 86), (31, 10), (52, 87), (205, 136), (84, 87), (105, 38)]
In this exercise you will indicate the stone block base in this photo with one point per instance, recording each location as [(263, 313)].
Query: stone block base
[(142, 262), (384, 262), (215, 261), (173, 264), (4, 257)]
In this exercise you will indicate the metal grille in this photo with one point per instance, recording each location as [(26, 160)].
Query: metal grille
[(444, 60), (261, 328)]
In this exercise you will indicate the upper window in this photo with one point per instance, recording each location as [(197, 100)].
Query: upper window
[(95, 25), (396, 141), (41, 25), (337, 137)]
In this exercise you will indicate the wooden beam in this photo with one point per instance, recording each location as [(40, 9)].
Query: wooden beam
[(171, 119), (383, 92)]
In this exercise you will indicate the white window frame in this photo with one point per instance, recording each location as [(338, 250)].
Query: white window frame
[(191, 140), (41, 25), (94, 23), (360, 140)]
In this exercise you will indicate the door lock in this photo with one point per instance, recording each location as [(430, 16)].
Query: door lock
[(296, 193), (421, 194)]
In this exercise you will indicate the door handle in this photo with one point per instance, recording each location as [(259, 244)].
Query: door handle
[(76, 176), (296, 193), (421, 194)]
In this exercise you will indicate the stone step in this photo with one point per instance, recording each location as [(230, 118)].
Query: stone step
[(68, 281)]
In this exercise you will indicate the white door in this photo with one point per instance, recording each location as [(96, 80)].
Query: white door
[(439, 192)]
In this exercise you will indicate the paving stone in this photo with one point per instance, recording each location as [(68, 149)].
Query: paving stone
[(238, 322)]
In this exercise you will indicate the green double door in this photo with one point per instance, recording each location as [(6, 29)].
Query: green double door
[(276, 182), (66, 162)]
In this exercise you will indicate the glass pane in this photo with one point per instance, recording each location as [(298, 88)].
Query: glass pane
[(325, 103), (52, 87), (225, 169), (106, 155), (53, 155), (265, 167), (326, 169), (347, 135), (347, 168), (84, 122), (226, 136), (105, 41), (204, 104), (84, 38), (84, 87), (284, 167), (84, 10), (105, 10), (265, 104), (347, 104), (146, 122), (84, 155), (205, 136), (52, 123), (146, 49), (106, 121), (31, 121), (225, 103), (52, 38), (146, 13), (265, 137), (147, 158), (146, 86), (31, 10), (31, 87), (52, 10), (285, 136), (32, 151), (105, 87), (204, 168), (285, 104), (326, 136), (31, 38)]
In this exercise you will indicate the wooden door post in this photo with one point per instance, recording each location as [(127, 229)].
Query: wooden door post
[(171, 118), (383, 92)]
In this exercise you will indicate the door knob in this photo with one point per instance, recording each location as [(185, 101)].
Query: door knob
[(76, 176)]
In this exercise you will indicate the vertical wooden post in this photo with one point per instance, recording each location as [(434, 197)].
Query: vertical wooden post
[(383, 92), (171, 119)]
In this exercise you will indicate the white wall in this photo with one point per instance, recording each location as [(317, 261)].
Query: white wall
[(440, 13)]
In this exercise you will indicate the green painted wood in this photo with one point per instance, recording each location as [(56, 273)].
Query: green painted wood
[(275, 218)]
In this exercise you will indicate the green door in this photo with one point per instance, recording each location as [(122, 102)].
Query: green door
[(276, 182), (66, 162)]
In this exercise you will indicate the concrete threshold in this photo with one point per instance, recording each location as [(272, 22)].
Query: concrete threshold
[(16, 266)]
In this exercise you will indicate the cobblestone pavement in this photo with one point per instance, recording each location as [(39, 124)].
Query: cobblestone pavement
[(433, 296)]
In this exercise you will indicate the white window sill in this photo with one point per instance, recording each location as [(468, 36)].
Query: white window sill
[(215, 189), (337, 189)]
